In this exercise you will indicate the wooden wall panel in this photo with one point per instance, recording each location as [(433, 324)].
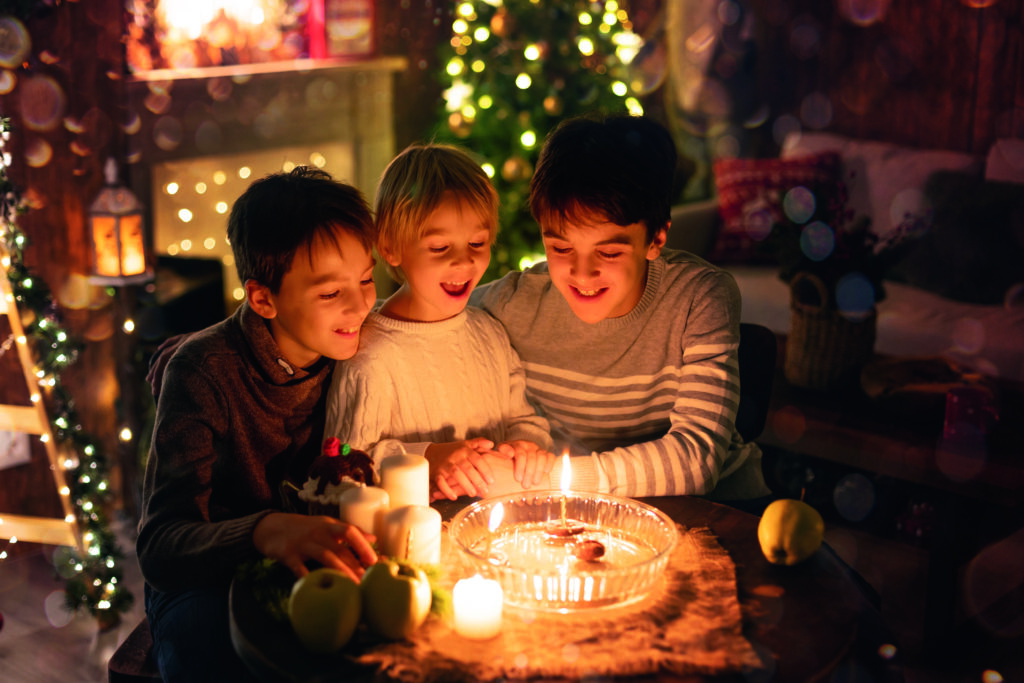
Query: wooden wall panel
[(77, 48), (1000, 97)]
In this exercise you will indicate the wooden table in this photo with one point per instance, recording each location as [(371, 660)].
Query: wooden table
[(803, 620), (904, 441)]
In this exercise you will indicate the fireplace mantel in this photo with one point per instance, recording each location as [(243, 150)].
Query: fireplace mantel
[(210, 132)]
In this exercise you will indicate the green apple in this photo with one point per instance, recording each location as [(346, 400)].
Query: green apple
[(324, 609), (396, 598)]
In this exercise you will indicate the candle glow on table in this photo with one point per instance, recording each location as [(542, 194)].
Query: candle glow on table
[(476, 602), (412, 533), (364, 507), (406, 478)]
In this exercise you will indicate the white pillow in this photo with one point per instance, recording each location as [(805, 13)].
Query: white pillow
[(1005, 161), (884, 181)]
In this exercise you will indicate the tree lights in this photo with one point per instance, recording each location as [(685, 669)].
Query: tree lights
[(512, 70)]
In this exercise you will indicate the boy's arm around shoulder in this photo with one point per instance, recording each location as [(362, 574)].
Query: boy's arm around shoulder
[(178, 544)]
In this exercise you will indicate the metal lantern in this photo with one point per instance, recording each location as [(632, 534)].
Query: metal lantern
[(117, 234)]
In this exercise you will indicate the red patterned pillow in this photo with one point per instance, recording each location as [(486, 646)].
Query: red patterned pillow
[(751, 194)]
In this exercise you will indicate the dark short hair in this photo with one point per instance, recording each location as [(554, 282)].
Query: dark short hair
[(617, 166), (281, 212)]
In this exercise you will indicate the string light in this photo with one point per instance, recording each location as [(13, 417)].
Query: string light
[(54, 349)]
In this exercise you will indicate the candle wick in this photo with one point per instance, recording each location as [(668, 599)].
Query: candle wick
[(408, 542)]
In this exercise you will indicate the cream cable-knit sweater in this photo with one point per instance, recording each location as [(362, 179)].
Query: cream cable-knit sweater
[(414, 383)]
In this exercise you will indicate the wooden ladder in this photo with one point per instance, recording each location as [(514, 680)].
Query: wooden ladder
[(33, 419)]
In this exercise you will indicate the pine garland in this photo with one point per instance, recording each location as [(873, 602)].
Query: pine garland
[(93, 580)]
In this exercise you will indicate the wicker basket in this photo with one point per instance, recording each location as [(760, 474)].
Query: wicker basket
[(825, 349)]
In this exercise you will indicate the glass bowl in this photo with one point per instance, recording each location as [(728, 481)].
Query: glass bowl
[(555, 551)]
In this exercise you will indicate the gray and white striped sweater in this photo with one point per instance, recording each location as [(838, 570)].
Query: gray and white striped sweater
[(651, 396)]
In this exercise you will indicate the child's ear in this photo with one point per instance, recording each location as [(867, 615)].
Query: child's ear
[(260, 299), (657, 243), (390, 256)]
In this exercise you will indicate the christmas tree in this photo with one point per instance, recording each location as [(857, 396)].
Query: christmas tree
[(512, 71)]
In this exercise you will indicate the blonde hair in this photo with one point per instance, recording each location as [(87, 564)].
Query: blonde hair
[(416, 182)]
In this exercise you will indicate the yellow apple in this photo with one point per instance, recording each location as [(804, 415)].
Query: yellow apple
[(790, 531), (396, 598), (324, 610)]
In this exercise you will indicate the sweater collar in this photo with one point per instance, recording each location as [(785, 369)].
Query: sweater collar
[(266, 353), (437, 327)]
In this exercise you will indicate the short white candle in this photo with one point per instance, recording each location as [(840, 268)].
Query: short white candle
[(412, 533), (364, 507), (406, 478), (477, 605)]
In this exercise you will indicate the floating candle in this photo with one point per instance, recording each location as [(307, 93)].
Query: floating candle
[(406, 478), (567, 528), (477, 603), (364, 507), (412, 533)]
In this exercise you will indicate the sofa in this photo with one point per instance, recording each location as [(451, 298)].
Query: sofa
[(958, 291)]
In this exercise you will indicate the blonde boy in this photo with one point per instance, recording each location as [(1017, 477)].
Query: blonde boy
[(433, 377)]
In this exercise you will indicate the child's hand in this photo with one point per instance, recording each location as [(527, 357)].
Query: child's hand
[(532, 463), (291, 539), (459, 467), (505, 479)]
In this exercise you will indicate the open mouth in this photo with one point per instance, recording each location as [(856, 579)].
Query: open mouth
[(455, 289), (347, 331), (588, 293)]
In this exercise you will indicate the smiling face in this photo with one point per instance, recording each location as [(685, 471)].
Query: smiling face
[(600, 267), (442, 267), (323, 300)]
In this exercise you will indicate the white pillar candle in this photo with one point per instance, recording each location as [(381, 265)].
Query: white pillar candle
[(406, 478), (477, 605), (412, 533), (364, 507)]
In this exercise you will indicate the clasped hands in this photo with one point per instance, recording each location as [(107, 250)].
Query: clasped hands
[(479, 467)]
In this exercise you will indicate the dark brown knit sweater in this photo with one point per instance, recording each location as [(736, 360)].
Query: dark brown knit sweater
[(233, 420)]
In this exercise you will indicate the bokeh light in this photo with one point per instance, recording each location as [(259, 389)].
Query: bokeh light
[(56, 611), (990, 578), (798, 204), (43, 103), (816, 110), (16, 43), (804, 39), (854, 497), (863, 12), (855, 295), (817, 241), (38, 152), (783, 127), (789, 424)]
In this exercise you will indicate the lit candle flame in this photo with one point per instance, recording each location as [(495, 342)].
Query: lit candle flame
[(566, 480)]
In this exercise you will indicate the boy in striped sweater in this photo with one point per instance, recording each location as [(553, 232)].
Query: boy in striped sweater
[(630, 349)]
